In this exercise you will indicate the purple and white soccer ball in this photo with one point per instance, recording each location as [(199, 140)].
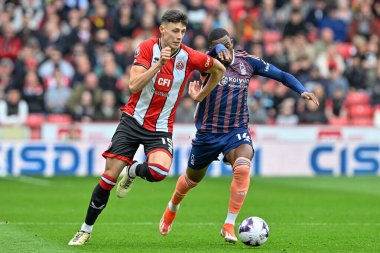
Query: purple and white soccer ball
[(253, 231)]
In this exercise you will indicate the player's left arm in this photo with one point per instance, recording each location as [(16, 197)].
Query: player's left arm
[(265, 69)]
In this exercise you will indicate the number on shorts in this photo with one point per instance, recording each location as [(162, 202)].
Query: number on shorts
[(244, 136)]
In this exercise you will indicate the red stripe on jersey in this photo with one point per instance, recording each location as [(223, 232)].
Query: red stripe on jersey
[(156, 105), (158, 100), (131, 104), (172, 114)]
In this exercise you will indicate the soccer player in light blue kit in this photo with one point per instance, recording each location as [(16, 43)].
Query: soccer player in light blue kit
[(222, 127)]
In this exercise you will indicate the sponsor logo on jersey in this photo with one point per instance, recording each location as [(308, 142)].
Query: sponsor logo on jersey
[(208, 61), (160, 93), (164, 82), (233, 82), (180, 65)]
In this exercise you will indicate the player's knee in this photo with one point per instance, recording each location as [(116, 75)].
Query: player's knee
[(242, 167), (156, 173)]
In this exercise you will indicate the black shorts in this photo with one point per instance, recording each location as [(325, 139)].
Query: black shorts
[(130, 134)]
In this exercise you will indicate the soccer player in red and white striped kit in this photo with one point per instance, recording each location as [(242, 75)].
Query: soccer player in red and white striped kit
[(158, 77)]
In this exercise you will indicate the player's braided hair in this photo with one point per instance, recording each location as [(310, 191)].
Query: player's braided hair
[(217, 34), (174, 16)]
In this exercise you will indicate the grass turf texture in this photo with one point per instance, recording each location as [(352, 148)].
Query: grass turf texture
[(320, 214)]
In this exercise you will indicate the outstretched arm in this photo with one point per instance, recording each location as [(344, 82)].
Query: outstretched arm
[(268, 70)]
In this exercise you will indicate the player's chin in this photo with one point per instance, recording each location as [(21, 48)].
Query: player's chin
[(176, 45)]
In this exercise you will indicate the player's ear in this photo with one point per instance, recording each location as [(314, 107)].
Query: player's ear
[(162, 29)]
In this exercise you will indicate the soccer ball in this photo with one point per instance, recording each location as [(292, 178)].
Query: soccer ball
[(253, 231)]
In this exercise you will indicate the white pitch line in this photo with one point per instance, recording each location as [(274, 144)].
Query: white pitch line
[(191, 223), (31, 180)]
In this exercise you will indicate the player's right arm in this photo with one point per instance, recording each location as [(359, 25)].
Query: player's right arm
[(205, 64), (217, 71), (140, 73)]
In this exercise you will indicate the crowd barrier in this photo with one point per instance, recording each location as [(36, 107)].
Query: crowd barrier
[(279, 151)]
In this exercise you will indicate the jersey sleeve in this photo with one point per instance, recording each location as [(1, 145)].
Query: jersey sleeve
[(143, 54), (265, 69), (199, 61)]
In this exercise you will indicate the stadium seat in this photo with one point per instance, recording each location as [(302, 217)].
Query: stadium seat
[(358, 98), (35, 120), (35, 134), (59, 118), (338, 121), (360, 111), (362, 122), (271, 36), (269, 48)]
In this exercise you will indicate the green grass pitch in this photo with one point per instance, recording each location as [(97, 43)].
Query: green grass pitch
[(318, 214)]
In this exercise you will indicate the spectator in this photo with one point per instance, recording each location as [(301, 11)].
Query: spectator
[(107, 110), (109, 72), (363, 23), (311, 114), (355, 74), (100, 18), (268, 15), (123, 94), (10, 45), (326, 38), (295, 25), (336, 79), (90, 84), (13, 110), (124, 52), (344, 11), (338, 26), (336, 106), (125, 24), (55, 60), (82, 68), (57, 95), (374, 88), (196, 13), (286, 116), (33, 93), (280, 56), (257, 113), (328, 60), (84, 111), (315, 15), (7, 80)]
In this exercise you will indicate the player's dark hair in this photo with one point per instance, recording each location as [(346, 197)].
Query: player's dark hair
[(174, 16), (216, 34)]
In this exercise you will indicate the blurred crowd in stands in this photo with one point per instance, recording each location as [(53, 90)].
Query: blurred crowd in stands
[(69, 60)]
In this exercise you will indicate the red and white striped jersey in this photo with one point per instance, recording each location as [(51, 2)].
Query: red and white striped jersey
[(154, 107)]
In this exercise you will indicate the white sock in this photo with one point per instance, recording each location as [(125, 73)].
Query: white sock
[(231, 217), (172, 207), (132, 170), (86, 228)]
